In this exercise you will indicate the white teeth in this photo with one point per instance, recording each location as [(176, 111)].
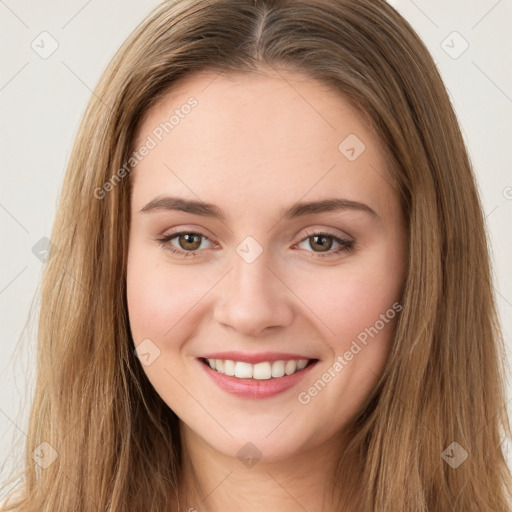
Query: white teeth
[(262, 371), (258, 371), (277, 369), (229, 367), (302, 364), (243, 370), (290, 367)]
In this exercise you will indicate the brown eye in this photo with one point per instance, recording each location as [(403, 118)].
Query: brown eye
[(321, 243), (184, 243), (326, 244), (189, 241)]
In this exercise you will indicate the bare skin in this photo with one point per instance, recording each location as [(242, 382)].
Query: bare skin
[(255, 145)]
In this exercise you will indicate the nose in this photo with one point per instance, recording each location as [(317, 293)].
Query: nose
[(253, 298)]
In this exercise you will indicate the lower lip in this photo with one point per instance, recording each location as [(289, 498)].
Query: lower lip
[(253, 388)]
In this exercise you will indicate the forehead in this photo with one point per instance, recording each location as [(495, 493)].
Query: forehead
[(257, 135)]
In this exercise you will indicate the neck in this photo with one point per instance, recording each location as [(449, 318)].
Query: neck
[(213, 481)]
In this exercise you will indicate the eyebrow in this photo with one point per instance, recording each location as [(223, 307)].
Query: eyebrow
[(160, 203)]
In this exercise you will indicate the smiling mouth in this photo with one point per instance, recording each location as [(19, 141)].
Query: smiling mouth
[(260, 371)]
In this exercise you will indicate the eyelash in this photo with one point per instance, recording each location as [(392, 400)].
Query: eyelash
[(345, 245)]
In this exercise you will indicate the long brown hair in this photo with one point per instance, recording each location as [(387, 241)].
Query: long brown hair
[(116, 442)]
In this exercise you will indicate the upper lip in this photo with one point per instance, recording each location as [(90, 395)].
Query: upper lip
[(256, 357)]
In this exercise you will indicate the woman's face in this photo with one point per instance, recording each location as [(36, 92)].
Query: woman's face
[(265, 235)]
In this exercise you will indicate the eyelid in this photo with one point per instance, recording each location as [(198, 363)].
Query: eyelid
[(327, 231), (188, 228)]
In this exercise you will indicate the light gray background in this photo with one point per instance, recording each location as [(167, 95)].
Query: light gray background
[(42, 101)]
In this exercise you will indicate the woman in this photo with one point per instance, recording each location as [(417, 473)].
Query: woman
[(280, 291)]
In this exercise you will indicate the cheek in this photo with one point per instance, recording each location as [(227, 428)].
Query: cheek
[(159, 296), (159, 300), (151, 303), (352, 302), (358, 307), (360, 310), (364, 310)]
